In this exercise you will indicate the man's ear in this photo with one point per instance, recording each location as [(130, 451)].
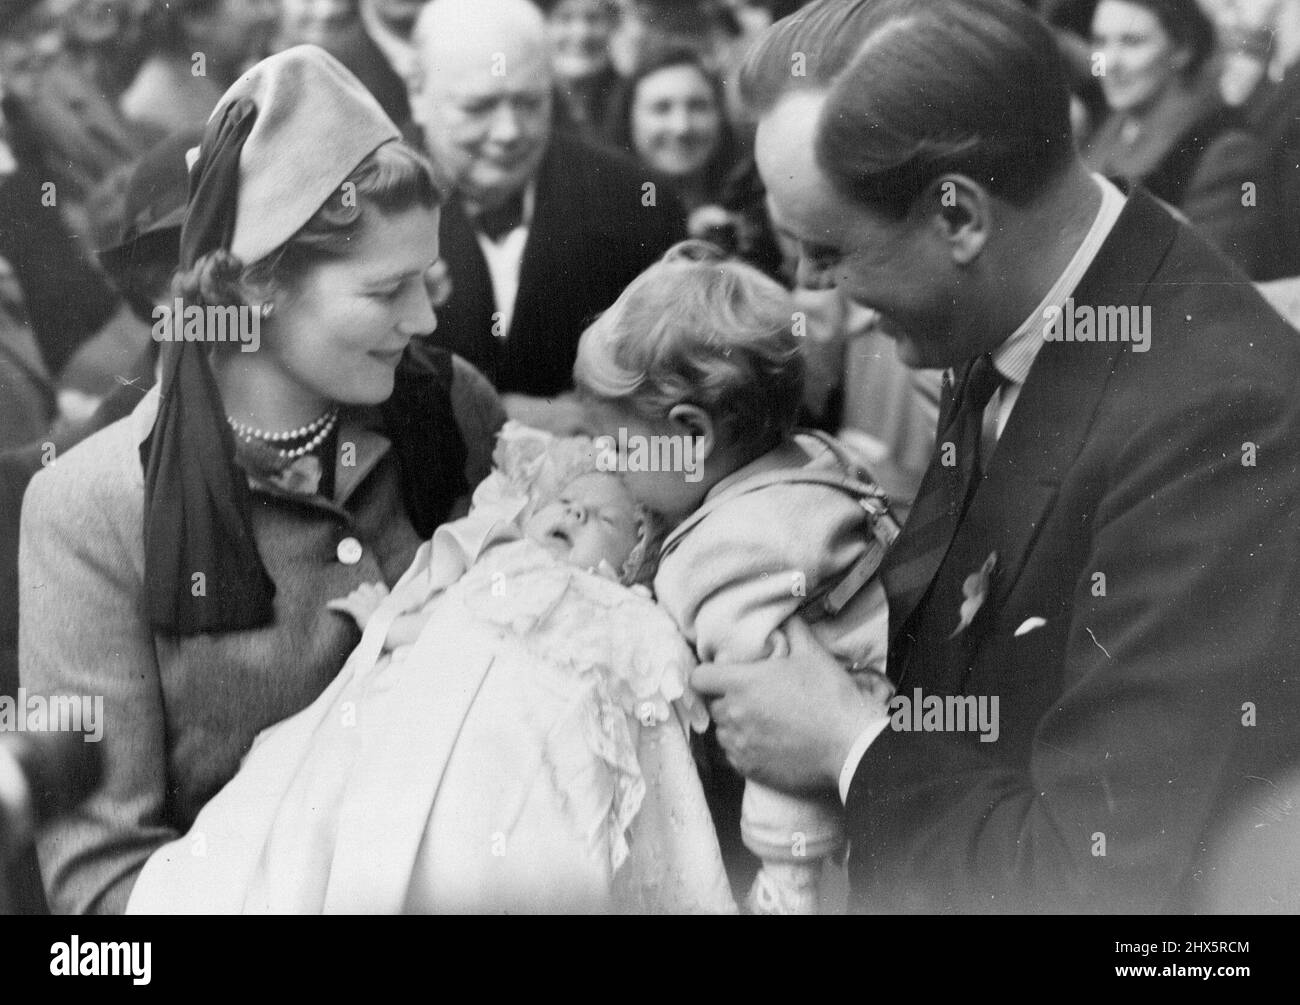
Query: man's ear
[(961, 212), (693, 421)]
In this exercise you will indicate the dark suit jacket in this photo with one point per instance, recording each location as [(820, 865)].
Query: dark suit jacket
[(590, 236), (1124, 736)]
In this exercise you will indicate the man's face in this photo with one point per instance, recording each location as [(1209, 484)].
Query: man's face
[(580, 31), (486, 116), (398, 15), (315, 22), (899, 268)]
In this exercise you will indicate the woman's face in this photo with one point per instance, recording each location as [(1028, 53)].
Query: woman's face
[(340, 331), (1139, 59), (580, 31), (676, 121)]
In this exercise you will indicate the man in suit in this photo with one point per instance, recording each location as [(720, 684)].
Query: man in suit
[(340, 28), (544, 230), (1102, 556)]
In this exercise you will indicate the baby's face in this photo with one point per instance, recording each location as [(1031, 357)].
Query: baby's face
[(593, 518)]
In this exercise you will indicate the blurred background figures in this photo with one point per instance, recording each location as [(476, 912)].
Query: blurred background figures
[(580, 32), (337, 27), (1268, 85), (196, 49), (1169, 128), (390, 23)]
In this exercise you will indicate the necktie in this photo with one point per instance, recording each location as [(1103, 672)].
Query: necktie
[(945, 492), (496, 223)]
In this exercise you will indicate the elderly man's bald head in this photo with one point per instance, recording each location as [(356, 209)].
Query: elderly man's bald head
[(449, 31), (482, 94)]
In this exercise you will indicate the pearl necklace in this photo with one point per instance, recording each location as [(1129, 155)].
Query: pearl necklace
[(317, 430)]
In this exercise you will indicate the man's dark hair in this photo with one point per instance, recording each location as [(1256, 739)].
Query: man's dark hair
[(921, 88)]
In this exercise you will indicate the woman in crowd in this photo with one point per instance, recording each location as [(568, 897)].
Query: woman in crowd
[(670, 114), (179, 561), (1169, 129), (585, 78)]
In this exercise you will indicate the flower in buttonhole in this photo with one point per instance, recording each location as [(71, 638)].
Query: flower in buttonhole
[(974, 589)]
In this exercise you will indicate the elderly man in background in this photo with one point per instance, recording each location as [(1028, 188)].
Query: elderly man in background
[(543, 230)]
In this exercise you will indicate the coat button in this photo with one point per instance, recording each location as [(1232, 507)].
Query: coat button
[(349, 551)]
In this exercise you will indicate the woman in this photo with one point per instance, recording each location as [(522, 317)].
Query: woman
[(670, 114), (1169, 129), (585, 78), (178, 562)]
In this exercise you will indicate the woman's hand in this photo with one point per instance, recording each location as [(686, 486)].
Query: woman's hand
[(361, 603), (789, 721)]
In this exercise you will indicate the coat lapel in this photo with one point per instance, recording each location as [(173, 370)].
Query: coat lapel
[(465, 321), (556, 232)]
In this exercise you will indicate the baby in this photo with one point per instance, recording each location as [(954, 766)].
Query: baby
[(694, 377), (592, 523), (510, 734)]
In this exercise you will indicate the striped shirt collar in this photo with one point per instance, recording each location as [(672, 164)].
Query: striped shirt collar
[(1014, 357)]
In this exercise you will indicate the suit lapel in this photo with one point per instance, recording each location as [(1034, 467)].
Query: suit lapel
[(554, 233), (1043, 437), (465, 321)]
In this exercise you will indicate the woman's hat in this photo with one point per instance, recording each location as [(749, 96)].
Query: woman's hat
[(281, 141), (314, 123)]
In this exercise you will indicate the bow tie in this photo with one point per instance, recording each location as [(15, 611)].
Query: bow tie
[(496, 223)]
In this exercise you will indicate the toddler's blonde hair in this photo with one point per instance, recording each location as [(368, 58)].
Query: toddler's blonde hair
[(700, 328)]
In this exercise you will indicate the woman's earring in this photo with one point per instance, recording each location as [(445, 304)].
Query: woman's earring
[(267, 310)]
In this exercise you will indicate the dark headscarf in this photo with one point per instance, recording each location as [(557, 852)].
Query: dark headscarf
[(201, 558), (282, 140)]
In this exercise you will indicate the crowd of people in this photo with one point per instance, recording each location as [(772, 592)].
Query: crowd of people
[(484, 180)]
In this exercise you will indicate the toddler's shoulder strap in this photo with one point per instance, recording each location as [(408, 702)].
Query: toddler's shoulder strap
[(850, 478)]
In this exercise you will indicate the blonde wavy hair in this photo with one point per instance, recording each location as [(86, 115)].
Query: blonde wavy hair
[(700, 328)]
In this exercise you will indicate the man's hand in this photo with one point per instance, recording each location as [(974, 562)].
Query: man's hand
[(788, 721)]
